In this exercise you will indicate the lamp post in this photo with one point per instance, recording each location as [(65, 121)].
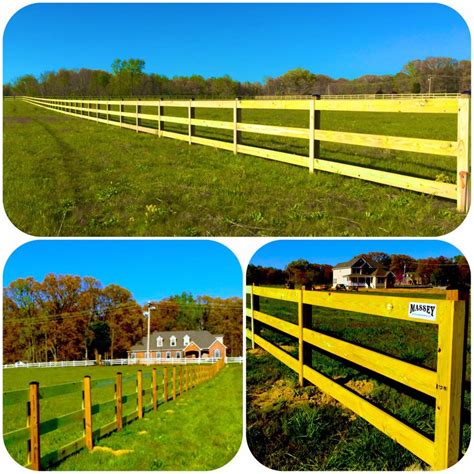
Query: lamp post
[(147, 315)]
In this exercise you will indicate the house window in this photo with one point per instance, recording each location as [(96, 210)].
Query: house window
[(178, 355), (185, 340), (168, 355), (380, 280), (133, 355), (173, 341), (159, 341), (217, 353)]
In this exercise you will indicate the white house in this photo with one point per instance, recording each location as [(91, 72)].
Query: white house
[(361, 273)]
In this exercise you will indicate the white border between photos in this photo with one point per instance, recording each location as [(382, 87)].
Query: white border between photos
[(243, 247)]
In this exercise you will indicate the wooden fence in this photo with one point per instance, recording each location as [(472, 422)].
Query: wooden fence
[(176, 380), (444, 384), (112, 112)]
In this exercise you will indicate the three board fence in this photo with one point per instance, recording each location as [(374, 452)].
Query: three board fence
[(128, 361), (443, 384), (112, 112), (175, 381)]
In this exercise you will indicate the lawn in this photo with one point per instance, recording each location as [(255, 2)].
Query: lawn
[(184, 434), (304, 429), (67, 176)]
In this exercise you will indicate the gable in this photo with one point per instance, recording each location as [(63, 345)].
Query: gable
[(192, 347)]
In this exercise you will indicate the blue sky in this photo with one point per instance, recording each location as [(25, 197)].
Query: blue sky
[(151, 270), (279, 253), (246, 41)]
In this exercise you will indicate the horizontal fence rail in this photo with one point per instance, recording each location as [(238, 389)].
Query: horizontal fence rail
[(149, 395), (112, 112), (129, 361), (443, 384)]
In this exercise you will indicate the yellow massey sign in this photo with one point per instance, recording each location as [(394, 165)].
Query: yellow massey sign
[(443, 384)]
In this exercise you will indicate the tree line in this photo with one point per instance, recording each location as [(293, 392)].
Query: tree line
[(436, 271), (67, 317), (128, 79)]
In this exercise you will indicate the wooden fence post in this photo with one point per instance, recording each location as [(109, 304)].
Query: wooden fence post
[(165, 384), (121, 110), (305, 317), (449, 384), (180, 381), (254, 306), (161, 113), (119, 401), (153, 389), (191, 116), (237, 119), (108, 109), (138, 110), (140, 394), (87, 402), (462, 181), (187, 378), (314, 124), (33, 419), (174, 383)]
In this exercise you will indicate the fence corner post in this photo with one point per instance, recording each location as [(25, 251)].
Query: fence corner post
[(87, 402), (449, 382), (33, 419), (463, 178)]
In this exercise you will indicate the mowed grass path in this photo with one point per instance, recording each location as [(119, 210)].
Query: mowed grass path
[(201, 430), (69, 176), (305, 429)]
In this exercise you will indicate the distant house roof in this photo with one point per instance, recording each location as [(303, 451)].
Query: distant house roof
[(352, 262), (203, 339)]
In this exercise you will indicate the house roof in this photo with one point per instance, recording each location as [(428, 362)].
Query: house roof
[(202, 339), (352, 262)]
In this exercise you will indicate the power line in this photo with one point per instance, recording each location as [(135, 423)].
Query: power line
[(186, 307)]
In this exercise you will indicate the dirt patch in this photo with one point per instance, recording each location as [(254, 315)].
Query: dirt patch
[(257, 352), (282, 392), (17, 119), (10, 119), (115, 452), (363, 387), (278, 392)]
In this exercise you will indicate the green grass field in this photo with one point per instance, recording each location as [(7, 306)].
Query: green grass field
[(68, 176), (184, 434), (294, 428)]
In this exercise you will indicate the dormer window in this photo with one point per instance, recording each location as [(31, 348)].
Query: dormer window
[(159, 341), (186, 340), (173, 341)]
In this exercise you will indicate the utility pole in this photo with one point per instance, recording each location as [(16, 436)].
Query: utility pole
[(147, 315)]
